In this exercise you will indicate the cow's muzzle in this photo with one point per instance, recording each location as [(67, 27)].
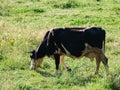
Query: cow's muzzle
[(32, 65)]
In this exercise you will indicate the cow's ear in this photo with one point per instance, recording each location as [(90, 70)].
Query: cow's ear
[(31, 51), (32, 54)]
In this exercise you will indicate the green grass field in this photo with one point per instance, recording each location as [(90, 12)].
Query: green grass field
[(23, 24)]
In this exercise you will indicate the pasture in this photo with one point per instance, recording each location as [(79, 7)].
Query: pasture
[(23, 24)]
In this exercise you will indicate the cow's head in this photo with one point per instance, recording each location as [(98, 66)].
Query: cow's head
[(35, 61), (42, 50)]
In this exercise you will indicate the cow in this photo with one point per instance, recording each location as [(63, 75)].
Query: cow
[(74, 42)]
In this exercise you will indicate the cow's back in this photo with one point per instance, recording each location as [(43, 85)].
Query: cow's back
[(73, 40), (70, 40), (95, 36)]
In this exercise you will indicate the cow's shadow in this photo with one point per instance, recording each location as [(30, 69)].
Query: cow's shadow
[(72, 80), (75, 80), (44, 73), (49, 74)]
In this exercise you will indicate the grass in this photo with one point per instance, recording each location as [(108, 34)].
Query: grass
[(23, 24)]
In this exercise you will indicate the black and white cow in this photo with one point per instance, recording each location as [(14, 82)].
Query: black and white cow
[(73, 42)]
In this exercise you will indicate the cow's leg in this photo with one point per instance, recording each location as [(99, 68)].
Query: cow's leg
[(97, 64), (104, 60), (57, 62), (63, 63)]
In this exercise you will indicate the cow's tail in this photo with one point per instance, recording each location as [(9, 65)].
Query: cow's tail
[(103, 44), (103, 49)]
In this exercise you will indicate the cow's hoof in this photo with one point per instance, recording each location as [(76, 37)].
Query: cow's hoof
[(55, 72)]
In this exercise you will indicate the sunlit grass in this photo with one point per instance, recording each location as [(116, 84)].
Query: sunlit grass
[(23, 25)]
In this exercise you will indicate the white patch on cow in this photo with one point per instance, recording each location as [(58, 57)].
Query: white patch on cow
[(86, 44), (65, 49), (51, 31), (56, 51)]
